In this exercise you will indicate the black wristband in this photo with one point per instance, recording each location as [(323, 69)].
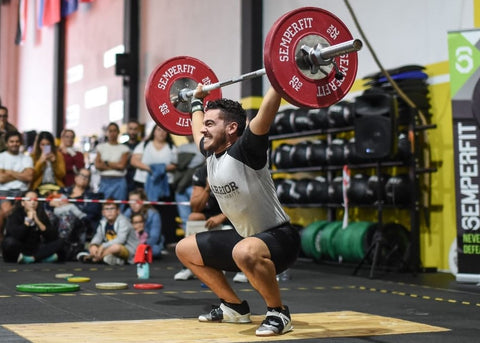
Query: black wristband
[(197, 105)]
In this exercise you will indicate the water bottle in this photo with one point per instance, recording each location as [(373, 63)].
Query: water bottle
[(143, 270)]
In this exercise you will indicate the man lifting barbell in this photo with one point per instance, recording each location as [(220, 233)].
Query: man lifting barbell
[(263, 243), (315, 67)]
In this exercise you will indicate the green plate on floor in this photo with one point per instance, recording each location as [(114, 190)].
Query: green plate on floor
[(48, 287)]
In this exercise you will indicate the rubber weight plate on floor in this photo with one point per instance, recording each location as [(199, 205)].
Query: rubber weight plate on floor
[(111, 285), (147, 286), (63, 275), (78, 279), (47, 287)]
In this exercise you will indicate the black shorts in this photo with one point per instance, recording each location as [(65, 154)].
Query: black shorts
[(216, 247)]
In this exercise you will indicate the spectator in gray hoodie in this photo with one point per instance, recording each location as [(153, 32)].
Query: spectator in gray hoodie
[(115, 241)]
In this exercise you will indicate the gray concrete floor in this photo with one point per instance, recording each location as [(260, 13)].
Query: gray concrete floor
[(429, 298)]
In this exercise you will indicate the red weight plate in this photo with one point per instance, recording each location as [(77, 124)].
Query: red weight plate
[(148, 286), (309, 26), (163, 86)]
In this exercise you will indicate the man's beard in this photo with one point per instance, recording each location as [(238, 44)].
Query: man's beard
[(219, 142)]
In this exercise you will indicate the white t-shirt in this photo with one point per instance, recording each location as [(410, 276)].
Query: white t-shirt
[(150, 155), (16, 163), (112, 153)]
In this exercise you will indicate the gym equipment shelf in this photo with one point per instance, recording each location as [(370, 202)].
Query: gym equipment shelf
[(411, 164)]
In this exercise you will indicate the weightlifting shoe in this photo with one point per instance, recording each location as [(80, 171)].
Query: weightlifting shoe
[(226, 314), (275, 323)]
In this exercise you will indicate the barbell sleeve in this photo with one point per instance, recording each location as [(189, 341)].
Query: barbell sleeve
[(340, 49), (324, 54)]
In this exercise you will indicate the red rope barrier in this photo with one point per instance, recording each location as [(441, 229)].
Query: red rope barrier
[(101, 201)]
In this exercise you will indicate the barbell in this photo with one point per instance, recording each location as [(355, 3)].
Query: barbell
[(309, 58)]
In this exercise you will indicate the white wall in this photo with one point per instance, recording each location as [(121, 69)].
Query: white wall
[(400, 32), (207, 30), (35, 79)]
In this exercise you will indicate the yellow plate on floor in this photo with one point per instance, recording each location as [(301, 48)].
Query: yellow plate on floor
[(111, 285), (78, 279), (63, 275)]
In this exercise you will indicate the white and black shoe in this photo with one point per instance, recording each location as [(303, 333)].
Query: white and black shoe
[(275, 323), (240, 278), (226, 314), (184, 274)]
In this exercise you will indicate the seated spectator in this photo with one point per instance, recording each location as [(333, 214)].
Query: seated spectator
[(75, 220), (139, 225), (16, 173), (30, 236), (48, 165), (152, 220), (74, 160), (115, 240)]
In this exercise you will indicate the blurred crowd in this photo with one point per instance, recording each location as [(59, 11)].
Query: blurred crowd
[(95, 204)]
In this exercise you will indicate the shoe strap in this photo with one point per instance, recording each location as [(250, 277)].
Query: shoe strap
[(276, 319), (216, 313)]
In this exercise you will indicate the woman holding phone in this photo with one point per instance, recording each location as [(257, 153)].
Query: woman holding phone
[(48, 164)]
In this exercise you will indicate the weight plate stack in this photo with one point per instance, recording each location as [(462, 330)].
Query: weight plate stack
[(310, 239), (351, 243), (327, 245)]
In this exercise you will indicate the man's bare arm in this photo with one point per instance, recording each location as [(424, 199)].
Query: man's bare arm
[(260, 125)]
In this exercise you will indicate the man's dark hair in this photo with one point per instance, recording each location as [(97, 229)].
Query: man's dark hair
[(12, 134), (232, 112)]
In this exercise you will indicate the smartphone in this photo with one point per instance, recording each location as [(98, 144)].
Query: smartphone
[(47, 149)]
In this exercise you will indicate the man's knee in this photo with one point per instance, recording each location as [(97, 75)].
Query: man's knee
[(182, 247), (187, 249), (249, 251)]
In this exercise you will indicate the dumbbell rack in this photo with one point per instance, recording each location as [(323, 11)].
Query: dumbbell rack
[(413, 172)]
